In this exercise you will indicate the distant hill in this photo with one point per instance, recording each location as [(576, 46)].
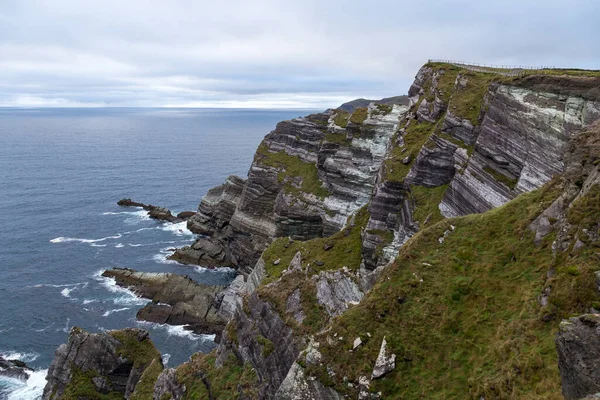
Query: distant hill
[(354, 104)]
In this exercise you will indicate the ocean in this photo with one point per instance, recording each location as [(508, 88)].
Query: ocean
[(62, 172)]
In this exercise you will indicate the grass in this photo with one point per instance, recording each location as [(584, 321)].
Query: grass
[(415, 137), (345, 251), (426, 201), (231, 381), (510, 183), (276, 287), (472, 327), (291, 167), (467, 101), (341, 118), (359, 115), (82, 387), (145, 386)]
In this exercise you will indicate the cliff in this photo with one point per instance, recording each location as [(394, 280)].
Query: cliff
[(421, 251)]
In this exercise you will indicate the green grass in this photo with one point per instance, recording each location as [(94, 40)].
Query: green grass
[(467, 102), (291, 167), (82, 387), (427, 202), (341, 118), (267, 345), (359, 115), (415, 137), (510, 183), (231, 381), (276, 288), (473, 326), (145, 386), (142, 353), (338, 137)]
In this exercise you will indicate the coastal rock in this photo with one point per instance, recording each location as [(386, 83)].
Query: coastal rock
[(176, 299), (167, 385), (578, 346), (109, 363), (296, 386), (14, 369), (156, 212)]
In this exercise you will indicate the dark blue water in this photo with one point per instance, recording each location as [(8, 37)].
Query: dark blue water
[(61, 174)]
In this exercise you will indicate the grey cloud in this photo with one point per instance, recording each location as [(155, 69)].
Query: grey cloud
[(305, 53)]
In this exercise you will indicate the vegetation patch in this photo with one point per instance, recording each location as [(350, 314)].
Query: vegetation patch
[(426, 201), (231, 381), (359, 115), (467, 101), (267, 345), (145, 386), (82, 387), (463, 316), (415, 137), (341, 118), (291, 167), (141, 353), (510, 183), (334, 252)]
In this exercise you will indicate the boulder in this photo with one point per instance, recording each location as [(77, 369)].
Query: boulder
[(15, 369), (578, 347), (383, 364)]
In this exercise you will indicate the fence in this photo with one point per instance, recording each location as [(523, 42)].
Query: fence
[(508, 70)]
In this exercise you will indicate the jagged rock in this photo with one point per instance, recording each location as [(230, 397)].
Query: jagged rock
[(14, 369), (578, 346), (294, 306), (521, 143), (157, 212), (112, 363), (336, 291), (167, 385), (383, 364), (296, 263), (177, 300), (296, 386), (357, 342), (242, 217)]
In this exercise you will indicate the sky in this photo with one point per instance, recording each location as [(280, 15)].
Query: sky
[(269, 54)]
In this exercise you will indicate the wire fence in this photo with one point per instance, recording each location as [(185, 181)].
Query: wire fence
[(508, 70)]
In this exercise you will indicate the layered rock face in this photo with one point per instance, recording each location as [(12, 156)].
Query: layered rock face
[(308, 176), (96, 364), (176, 299)]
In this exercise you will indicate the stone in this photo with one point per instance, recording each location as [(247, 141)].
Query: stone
[(578, 347), (100, 354), (167, 385), (276, 262), (357, 342), (336, 291), (14, 369), (176, 299), (384, 363)]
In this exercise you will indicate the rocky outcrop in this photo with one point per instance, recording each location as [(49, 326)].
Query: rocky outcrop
[(263, 340), (176, 299), (15, 369), (156, 212), (578, 346), (167, 385), (103, 363), (521, 143), (308, 176)]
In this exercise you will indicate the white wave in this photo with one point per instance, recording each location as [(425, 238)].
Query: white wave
[(179, 229), (43, 329), (97, 245), (122, 212), (62, 239), (32, 389), (161, 257), (88, 301), (126, 298), (119, 245), (177, 330), (67, 292), (107, 313), (66, 329), (137, 217), (218, 270), (17, 355), (59, 286), (165, 358)]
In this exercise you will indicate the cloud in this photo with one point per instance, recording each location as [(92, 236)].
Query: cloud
[(268, 53)]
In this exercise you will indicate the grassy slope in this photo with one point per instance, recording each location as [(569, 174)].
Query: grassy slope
[(474, 325)]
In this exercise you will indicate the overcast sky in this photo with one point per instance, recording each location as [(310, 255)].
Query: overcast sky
[(260, 53)]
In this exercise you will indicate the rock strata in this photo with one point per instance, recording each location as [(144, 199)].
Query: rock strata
[(176, 299), (109, 363)]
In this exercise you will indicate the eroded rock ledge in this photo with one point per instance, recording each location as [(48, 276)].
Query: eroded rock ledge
[(156, 212), (176, 299)]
